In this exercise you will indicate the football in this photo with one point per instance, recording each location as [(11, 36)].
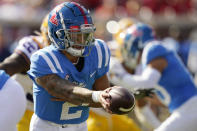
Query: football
[(122, 101)]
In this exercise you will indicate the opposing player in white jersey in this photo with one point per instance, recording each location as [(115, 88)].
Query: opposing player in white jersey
[(161, 66), (19, 62), (66, 73), (12, 102)]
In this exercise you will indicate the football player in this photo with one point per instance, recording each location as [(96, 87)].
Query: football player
[(164, 68), (12, 102), (65, 73), (19, 62), (143, 110)]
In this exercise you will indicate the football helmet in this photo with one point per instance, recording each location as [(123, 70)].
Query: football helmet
[(137, 36), (71, 29), (118, 37)]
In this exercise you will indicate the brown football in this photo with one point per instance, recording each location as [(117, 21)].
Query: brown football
[(122, 100)]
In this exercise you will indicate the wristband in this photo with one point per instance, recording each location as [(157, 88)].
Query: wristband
[(96, 96)]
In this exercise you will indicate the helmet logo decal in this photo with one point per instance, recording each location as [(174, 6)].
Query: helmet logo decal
[(53, 19)]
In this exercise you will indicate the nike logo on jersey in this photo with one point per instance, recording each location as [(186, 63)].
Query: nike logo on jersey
[(92, 74)]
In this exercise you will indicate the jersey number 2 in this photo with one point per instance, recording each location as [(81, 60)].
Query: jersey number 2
[(65, 115)]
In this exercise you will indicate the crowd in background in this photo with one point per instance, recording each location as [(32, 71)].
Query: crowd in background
[(173, 18)]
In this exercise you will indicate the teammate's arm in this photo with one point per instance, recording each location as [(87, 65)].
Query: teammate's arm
[(64, 90), (148, 79), (15, 63), (150, 76)]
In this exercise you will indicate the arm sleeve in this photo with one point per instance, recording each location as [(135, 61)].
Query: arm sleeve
[(149, 78)]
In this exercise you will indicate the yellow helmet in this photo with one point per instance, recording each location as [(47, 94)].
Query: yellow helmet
[(124, 23), (44, 30)]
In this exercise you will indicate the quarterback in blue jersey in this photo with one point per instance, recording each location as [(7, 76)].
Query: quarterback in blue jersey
[(12, 102), (164, 68), (66, 73)]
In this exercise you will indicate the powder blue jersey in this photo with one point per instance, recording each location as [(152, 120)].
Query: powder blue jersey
[(3, 78), (175, 85), (51, 61)]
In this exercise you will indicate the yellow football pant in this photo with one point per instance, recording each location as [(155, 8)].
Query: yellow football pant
[(97, 122), (24, 123)]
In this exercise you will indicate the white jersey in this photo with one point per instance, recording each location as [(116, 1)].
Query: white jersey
[(26, 47)]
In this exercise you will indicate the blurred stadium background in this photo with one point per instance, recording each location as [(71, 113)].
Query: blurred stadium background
[(174, 18)]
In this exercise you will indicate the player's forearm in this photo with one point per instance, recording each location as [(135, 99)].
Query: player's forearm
[(148, 79), (66, 91), (83, 96), (14, 64)]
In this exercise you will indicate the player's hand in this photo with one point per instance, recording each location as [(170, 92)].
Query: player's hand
[(104, 99), (141, 93)]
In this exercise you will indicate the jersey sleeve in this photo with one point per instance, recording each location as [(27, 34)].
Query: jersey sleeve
[(103, 54), (27, 46), (152, 51), (41, 65)]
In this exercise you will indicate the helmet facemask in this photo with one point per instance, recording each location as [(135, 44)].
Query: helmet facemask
[(130, 60), (131, 50), (77, 39)]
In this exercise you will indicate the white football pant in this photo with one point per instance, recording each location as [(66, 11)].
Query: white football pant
[(12, 105), (182, 119), (38, 124)]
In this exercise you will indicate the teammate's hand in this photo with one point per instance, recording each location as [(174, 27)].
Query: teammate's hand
[(141, 93)]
